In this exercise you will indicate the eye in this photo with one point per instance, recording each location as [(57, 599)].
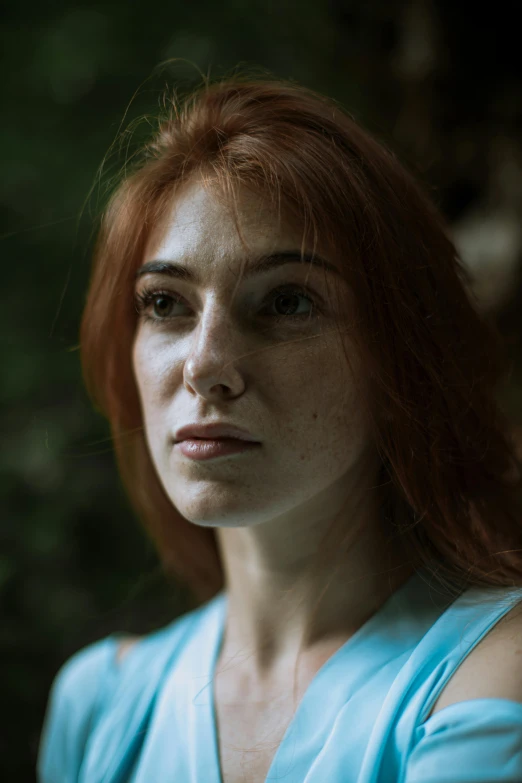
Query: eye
[(284, 297), (142, 302)]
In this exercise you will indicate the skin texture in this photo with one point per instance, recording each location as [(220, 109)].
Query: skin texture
[(217, 357)]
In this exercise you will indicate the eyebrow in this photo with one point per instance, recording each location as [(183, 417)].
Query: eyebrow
[(262, 264)]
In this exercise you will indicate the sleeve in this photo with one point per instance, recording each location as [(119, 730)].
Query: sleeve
[(73, 700), (476, 741)]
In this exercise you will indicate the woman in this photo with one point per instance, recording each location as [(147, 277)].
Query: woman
[(302, 397)]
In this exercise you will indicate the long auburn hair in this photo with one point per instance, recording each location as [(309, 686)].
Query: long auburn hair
[(430, 363)]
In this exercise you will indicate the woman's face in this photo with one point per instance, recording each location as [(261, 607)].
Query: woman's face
[(269, 362)]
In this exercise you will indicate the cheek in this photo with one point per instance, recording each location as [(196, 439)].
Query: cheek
[(138, 366), (317, 388), (154, 368), (342, 410), (149, 384), (319, 370), (142, 378)]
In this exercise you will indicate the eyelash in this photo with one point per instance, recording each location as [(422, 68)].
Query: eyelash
[(144, 299)]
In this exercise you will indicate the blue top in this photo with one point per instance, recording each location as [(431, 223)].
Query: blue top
[(362, 719)]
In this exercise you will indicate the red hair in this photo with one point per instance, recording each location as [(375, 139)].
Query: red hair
[(430, 363)]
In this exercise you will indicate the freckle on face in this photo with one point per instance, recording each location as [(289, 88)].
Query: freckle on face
[(299, 395)]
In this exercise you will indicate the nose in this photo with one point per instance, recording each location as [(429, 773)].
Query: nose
[(213, 362)]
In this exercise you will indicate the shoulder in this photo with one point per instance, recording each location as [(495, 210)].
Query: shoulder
[(124, 646), (80, 694), (82, 674), (492, 670), (89, 684), (73, 700)]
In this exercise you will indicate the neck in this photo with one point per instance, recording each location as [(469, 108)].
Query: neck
[(278, 610)]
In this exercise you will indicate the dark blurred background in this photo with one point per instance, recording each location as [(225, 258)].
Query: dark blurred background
[(439, 81)]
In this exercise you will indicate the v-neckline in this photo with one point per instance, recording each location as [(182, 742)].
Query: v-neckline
[(207, 766)]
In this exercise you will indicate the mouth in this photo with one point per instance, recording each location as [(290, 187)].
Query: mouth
[(215, 431), (212, 448)]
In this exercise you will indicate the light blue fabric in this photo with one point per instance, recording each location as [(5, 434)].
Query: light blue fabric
[(363, 718)]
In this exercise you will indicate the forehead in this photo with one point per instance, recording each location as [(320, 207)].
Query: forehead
[(198, 222)]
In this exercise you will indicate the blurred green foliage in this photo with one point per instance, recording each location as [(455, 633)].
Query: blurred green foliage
[(74, 564)]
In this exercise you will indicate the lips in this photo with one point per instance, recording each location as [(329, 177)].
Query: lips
[(198, 450), (213, 431)]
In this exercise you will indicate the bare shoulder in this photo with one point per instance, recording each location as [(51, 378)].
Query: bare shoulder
[(125, 647), (493, 669)]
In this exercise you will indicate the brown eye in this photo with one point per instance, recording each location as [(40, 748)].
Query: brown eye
[(286, 301), (162, 303)]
